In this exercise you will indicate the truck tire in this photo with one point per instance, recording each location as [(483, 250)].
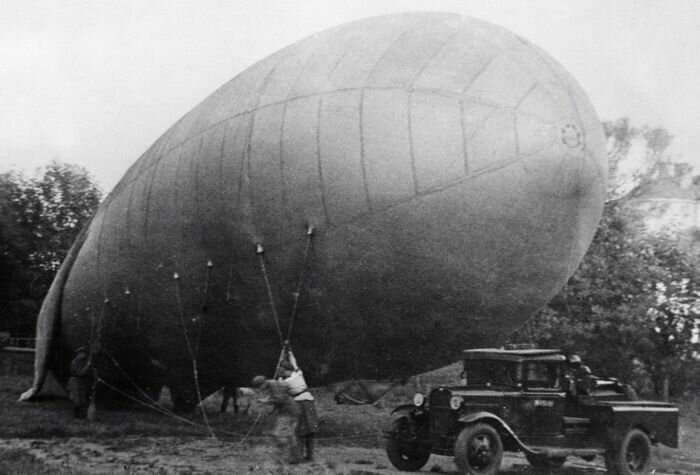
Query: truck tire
[(631, 456), (405, 456), (544, 462), (478, 450)]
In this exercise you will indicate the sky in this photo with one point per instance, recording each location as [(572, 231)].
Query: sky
[(95, 83)]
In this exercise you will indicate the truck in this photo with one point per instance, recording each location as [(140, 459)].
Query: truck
[(534, 401)]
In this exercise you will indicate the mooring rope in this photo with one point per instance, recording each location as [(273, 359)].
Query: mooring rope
[(244, 437), (195, 372), (95, 346), (135, 385), (152, 406), (260, 251), (310, 234), (193, 353)]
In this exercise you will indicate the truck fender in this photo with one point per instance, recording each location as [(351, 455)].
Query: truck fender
[(498, 423)]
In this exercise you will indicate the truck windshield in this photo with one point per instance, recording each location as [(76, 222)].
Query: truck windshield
[(490, 373)]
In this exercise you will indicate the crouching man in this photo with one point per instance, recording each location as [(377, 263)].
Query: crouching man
[(286, 415)]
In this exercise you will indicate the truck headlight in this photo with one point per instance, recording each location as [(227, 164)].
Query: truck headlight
[(418, 399), (455, 402)]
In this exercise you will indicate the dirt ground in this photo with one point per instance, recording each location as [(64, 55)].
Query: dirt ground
[(204, 455), (140, 441), (168, 455)]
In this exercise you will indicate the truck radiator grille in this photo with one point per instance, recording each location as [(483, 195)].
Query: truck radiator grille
[(442, 418)]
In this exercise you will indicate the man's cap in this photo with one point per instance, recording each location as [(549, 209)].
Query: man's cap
[(574, 360), (81, 349), (257, 381)]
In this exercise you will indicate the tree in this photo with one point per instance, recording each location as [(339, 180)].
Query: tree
[(636, 155), (41, 216), (671, 350), (630, 309), (632, 305)]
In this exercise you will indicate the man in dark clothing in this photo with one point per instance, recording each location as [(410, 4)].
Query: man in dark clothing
[(286, 414), (230, 392), (80, 382)]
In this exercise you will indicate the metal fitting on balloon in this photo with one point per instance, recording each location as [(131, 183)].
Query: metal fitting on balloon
[(210, 264), (310, 230), (259, 249)]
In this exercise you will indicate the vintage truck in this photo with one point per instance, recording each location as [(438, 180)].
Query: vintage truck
[(532, 401)]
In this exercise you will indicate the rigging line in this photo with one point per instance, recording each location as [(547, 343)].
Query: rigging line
[(310, 234), (96, 347), (195, 372), (234, 434), (138, 388), (279, 363), (165, 412), (200, 319), (100, 322), (260, 251), (92, 328), (252, 427), (157, 406), (260, 414), (151, 403)]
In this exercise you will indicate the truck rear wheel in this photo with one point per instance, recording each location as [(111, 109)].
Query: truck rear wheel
[(631, 456), (403, 454), (478, 450)]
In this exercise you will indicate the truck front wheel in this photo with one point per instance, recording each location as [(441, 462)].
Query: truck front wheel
[(403, 453), (631, 456), (478, 450)]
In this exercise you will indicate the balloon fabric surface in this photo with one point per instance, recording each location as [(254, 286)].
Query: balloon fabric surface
[(400, 187)]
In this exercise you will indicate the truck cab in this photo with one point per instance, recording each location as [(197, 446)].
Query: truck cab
[(531, 401)]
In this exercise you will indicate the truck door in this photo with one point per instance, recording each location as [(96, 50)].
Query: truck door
[(543, 400), (544, 412)]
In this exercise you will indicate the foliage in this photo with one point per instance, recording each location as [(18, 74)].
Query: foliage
[(632, 306), (40, 216), (636, 155)]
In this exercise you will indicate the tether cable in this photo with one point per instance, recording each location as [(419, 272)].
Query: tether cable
[(233, 434), (136, 386), (195, 372), (260, 251), (310, 234)]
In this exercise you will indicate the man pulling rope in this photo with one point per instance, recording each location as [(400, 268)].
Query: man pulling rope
[(292, 375)]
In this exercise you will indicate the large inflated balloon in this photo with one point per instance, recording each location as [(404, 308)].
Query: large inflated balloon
[(453, 174)]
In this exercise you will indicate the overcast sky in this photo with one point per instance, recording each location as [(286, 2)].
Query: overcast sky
[(96, 82)]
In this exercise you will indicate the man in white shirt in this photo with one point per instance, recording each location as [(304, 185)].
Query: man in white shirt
[(299, 391)]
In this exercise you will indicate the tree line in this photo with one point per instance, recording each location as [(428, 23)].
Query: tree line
[(40, 217), (631, 310)]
